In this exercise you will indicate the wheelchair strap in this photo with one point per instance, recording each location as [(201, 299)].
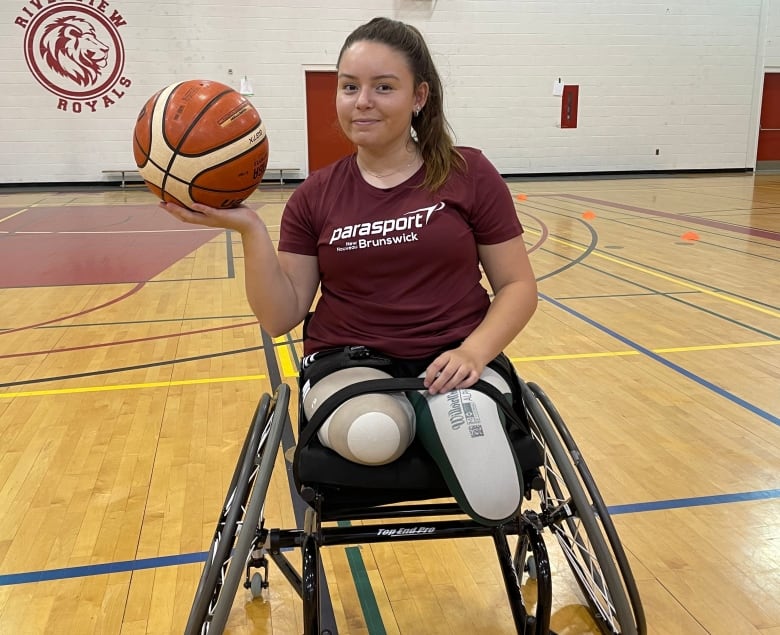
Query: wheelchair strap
[(394, 385)]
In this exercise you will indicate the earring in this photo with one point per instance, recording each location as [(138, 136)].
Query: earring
[(416, 111)]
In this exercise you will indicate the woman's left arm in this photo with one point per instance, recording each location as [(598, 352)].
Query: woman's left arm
[(509, 272)]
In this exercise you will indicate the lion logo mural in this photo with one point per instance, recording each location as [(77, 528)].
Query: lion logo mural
[(71, 48)]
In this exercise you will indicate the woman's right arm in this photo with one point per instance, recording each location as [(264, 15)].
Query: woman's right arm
[(280, 288)]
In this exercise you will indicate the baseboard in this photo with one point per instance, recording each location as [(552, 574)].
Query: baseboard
[(626, 174)]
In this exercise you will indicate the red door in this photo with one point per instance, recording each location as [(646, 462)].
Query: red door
[(327, 143), (769, 128)]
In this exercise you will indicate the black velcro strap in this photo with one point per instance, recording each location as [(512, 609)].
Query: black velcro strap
[(397, 384)]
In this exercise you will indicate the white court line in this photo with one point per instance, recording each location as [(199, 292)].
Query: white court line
[(5, 218)]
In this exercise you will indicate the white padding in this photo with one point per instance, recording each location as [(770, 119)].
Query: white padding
[(371, 436), (372, 429)]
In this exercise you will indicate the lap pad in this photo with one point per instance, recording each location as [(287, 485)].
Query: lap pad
[(463, 430)]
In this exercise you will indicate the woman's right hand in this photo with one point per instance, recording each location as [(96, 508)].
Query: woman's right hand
[(240, 219)]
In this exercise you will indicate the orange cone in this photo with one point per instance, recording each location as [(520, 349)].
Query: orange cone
[(589, 215), (522, 197), (692, 236)]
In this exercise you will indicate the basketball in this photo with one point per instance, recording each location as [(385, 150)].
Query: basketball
[(200, 141)]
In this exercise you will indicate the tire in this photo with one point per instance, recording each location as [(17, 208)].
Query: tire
[(532, 567), (574, 511), (230, 548)]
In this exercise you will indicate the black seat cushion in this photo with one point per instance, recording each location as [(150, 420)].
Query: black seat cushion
[(413, 477)]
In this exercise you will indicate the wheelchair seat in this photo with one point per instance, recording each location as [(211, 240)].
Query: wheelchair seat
[(414, 475)]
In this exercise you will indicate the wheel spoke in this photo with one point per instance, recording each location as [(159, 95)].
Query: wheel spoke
[(571, 511), (236, 534)]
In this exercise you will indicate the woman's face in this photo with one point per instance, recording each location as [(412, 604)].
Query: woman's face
[(376, 96)]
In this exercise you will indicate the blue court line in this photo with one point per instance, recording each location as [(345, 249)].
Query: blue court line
[(101, 569), (678, 503), (198, 557), (669, 364)]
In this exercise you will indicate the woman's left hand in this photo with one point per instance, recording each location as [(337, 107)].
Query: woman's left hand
[(453, 369)]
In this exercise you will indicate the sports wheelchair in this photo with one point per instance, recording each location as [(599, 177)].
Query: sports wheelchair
[(562, 498)]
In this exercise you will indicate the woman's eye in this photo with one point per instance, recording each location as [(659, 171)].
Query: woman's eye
[(349, 88), (384, 88)]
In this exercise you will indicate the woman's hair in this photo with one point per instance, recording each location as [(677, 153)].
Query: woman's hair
[(430, 125)]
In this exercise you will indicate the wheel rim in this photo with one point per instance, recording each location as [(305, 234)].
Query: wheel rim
[(560, 515), (225, 565)]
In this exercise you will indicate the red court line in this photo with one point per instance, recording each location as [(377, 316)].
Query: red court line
[(545, 232), (133, 341), (739, 229), (132, 291)]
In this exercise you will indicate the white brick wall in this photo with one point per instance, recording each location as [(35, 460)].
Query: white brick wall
[(772, 51), (680, 76)]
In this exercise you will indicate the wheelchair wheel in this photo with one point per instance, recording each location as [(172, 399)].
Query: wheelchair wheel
[(573, 510), (236, 532)]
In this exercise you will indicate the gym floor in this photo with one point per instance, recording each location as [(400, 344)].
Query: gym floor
[(130, 366)]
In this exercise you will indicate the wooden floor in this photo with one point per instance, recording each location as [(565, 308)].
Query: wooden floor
[(130, 366)]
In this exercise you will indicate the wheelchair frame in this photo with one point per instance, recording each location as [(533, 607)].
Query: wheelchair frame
[(569, 506)]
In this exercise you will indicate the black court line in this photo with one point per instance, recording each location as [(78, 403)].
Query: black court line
[(231, 271), (122, 369), (588, 249), (665, 272), (159, 321), (655, 292), (566, 212), (652, 292), (594, 239), (610, 296)]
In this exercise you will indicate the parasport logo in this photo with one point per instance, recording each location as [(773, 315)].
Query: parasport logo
[(74, 50)]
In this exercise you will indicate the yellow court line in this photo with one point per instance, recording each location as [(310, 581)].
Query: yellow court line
[(662, 276), (289, 370), (151, 384), (678, 349), (285, 358), (21, 211), (715, 347), (547, 358)]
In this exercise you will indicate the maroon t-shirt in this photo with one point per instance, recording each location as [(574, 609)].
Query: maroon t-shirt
[(399, 269)]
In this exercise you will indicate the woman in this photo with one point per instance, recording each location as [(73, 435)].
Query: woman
[(395, 234)]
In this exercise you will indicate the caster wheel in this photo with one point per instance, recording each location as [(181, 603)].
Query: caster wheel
[(257, 585), (530, 566)]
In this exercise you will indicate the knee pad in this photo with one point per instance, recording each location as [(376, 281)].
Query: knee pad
[(371, 429), (464, 432)]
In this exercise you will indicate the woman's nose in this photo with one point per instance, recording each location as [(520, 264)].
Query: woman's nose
[(363, 98)]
